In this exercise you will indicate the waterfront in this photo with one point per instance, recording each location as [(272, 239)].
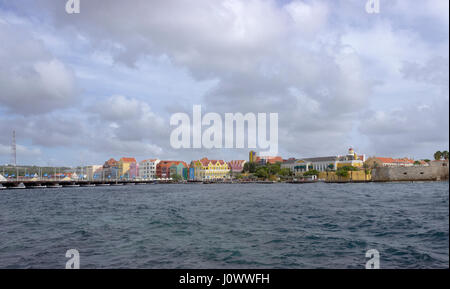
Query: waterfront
[(227, 226)]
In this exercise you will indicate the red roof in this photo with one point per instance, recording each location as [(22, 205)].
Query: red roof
[(111, 162), (395, 161), (149, 160), (206, 161), (236, 164), (170, 163), (128, 160)]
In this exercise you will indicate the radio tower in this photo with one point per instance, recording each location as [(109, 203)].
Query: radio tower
[(13, 149)]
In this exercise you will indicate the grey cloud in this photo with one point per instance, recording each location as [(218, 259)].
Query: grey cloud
[(434, 71), (32, 81), (415, 129), (305, 60)]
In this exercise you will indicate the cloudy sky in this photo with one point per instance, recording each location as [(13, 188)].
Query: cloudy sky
[(81, 88)]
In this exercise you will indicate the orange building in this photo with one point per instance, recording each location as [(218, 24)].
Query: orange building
[(269, 159), (163, 168), (390, 162), (123, 166)]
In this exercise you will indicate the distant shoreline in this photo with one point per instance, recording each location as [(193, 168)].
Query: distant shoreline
[(12, 185)]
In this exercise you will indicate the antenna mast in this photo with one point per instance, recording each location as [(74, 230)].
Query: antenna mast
[(13, 149)]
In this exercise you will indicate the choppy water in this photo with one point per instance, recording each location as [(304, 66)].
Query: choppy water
[(227, 226)]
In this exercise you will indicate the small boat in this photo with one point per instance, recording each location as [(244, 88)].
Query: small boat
[(71, 186), (88, 185), (2, 187), (37, 187), (118, 184), (102, 185), (20, 186), (55, 186)]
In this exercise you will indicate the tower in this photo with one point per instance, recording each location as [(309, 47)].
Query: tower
[(252, 157), (13, 149)]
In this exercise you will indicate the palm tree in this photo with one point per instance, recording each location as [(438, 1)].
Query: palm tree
[(438, 155), (445, 155)]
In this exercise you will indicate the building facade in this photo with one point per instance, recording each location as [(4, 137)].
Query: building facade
[(206, 169), (263, 160), (110, 170), (123, 167), (177, 168), (147, 169), (236, 166), (133, 172), (93, 172), (164, 170), (389, 162), (322, 164), (252, 156)]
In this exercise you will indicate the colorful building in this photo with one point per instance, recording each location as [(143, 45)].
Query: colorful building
[(147, 169), (133, 172), (110, 170), (164, 169), (252, 156), (263, 160), (389, 162), (191, 175), (206, 169), (177, 168), (123, 168), (93, 172), (351, 159), (236, 166)]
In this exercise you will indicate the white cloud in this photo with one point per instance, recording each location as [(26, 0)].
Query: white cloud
[(32, 81)]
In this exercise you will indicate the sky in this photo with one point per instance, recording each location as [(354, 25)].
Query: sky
[(81, 88)]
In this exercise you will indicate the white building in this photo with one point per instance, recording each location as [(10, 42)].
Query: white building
[(147, 169), (322, 164), (94, 171)]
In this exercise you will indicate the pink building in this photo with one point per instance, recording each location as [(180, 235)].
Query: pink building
[(236, 166), (134, 170)]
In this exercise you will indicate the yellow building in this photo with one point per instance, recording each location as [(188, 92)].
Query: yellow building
[(123, 167), (348, 163), (252, 156), (353, 176), (206, 169)]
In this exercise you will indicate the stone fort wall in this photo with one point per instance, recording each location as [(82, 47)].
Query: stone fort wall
[(438, 172)]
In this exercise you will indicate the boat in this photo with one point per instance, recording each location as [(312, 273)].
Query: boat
[(71, 186), (19, 186), (37, 187), (88, 185), (102, 185), (55, 186), (117, 184), (2, 187)]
